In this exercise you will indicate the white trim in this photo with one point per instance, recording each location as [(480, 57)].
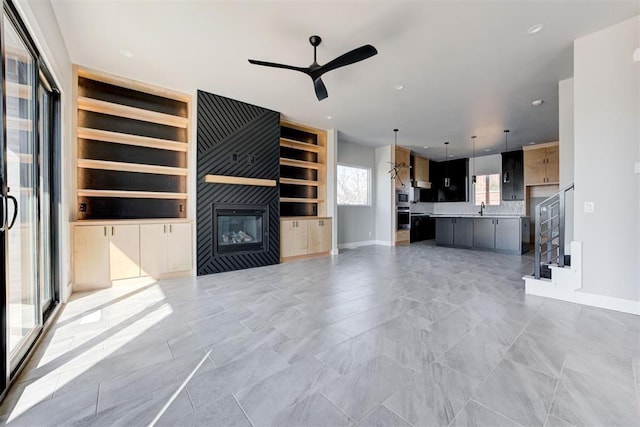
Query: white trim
[(546, 288), (353, 245), (383, 243)]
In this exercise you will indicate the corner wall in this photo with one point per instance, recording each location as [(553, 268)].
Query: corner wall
[(385, 222), (607, 143)]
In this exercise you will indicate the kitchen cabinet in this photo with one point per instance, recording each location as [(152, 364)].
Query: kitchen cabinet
[(301, 237), (420, 172), (542, 165), (103, 253), (165, 248), (501, 234), (403, 157), (484, 233), (454, 232), (512, 175), (458, 173), (107, 251), (422, 228)]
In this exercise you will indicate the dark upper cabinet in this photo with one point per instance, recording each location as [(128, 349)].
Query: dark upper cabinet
[(458, 173), (512, 178)]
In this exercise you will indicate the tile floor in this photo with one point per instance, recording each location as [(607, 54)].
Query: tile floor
[(377, 336)]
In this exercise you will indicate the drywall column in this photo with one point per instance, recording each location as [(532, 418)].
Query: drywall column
[(385, 221), (566, 144), (607, 132), (356, 224), (332, 205)]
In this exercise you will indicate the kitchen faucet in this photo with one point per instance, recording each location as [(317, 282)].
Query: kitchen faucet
[(482, 206)]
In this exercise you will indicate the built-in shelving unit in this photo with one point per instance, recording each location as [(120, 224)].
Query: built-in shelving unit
[(302, 171), (132, 148)]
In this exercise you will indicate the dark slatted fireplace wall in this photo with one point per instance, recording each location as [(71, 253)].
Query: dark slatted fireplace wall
[(238, 225)]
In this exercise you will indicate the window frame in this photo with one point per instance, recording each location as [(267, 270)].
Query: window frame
[(487, 193), (369, 184)]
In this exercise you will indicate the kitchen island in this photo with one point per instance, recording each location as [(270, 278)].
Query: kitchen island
[(499, 233)]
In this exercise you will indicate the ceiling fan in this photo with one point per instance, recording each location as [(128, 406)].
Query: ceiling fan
[(315, 70)]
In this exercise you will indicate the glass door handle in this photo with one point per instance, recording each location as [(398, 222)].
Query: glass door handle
[(15, 211)]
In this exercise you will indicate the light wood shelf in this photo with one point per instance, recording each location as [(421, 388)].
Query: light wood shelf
[(304, 146), (127, 139), (237, 180), (301, 164), (299, 200), (110, 108), (131, 194), (304, 182), (130, 167)]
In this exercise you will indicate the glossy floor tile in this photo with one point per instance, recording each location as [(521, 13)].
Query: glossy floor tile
[(377, 336)]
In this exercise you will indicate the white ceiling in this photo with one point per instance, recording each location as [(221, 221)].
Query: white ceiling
[(468, 67)]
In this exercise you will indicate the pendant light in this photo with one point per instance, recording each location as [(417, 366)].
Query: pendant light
[(447, 180), (395, 166), (473, 145), (505, 174)]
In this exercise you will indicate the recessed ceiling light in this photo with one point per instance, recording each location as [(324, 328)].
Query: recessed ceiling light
[(537, 102), (535, 29), (636, 55), (487, 149), (532, 142), (126, 53), (398, 87), (450, 155), (328, 117), (426, 146)]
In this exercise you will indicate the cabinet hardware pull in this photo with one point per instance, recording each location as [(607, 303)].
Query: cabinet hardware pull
[(170, 228), (112, 231), (105, 231), (165, 228)]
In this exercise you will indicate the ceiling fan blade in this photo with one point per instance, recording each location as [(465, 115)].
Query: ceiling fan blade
[(356, 55), (275, 65), (321, 89)]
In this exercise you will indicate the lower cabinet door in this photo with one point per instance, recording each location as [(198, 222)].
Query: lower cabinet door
[(179, 248), (463, 232), (318, 236), (484, 233), (293, 238), (444, 231), (91, 257), (508, 234), (153, 249), (124, 251)]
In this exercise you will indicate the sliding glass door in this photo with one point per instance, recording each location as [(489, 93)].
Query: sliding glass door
[(29, 126)]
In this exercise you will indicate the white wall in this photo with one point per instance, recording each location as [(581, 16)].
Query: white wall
[(40, 20), (484, 165), (607, 133), (385, 221), (566, 144), (357, 224), (332, 206)]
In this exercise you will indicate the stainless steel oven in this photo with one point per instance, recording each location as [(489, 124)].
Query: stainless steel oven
[(403, 217)]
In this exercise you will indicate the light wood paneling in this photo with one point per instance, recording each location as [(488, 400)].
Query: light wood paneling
[(91, 255), (534, 167), (305, 182), (131, 194), (127, 139), (284, 142), (301, 164), (299, 200), (153, 249), (403, 157), (130, 167), (553, 165)]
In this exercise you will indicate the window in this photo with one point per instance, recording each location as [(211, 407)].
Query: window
[(354, 185), (487, 189)]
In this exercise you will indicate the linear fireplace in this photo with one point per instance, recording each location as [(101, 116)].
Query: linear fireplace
[(240, 229)]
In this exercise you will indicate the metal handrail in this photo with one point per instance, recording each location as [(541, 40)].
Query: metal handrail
[(551, 209)]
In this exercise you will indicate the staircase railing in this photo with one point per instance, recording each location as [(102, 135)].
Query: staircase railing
[(550, 230)]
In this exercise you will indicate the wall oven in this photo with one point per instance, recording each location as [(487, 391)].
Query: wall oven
[(403, 211)]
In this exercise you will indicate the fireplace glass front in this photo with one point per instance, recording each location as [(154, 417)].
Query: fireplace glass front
[(240, 229)]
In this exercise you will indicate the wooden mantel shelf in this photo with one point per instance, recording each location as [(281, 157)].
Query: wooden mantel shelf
[(237, 180)]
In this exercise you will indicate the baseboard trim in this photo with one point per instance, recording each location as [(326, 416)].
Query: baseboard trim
[(549, 290), (354, 245)]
